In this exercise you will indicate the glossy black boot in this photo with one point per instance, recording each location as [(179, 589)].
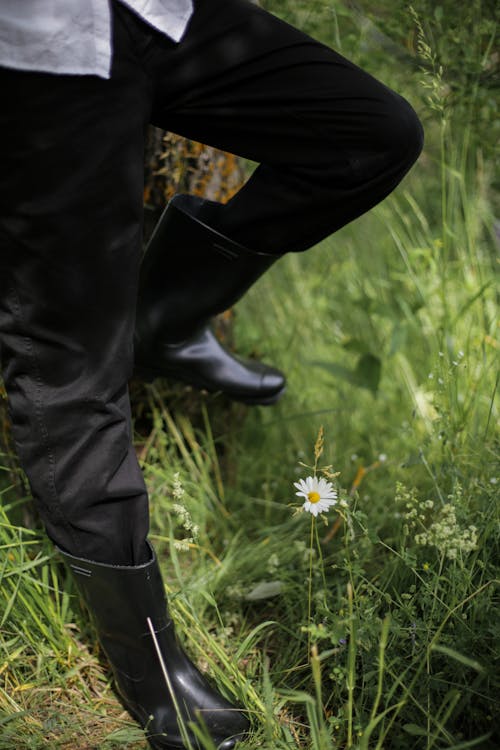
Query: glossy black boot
[(154, 677), (190, 273)]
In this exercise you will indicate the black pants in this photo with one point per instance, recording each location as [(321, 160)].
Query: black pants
[(331, 142)]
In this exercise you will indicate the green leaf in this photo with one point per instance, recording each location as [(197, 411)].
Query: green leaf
[(355, 345), (479, 294), (126, 734), (372, 536), (366, 374), (399, 338), (209, 597), (264, 590), (415, 730), (472, 663)]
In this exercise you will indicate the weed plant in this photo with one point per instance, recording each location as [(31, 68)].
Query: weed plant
[(376, 627)]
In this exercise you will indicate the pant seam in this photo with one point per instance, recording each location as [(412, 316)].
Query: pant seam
[(30, 351)]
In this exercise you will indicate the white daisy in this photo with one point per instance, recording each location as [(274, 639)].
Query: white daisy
[(318, 493)]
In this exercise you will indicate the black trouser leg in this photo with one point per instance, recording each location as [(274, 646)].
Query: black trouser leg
[(70, 234), (331, 140)]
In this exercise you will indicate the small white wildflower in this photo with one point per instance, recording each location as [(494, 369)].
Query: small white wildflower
[(303, 551), (354, 456), (178, 489), (182, 545), (180, 510), (273, 563), (319, 494), (185, 520), (446, 534), (235, 592), (382, 458), (494, 480)]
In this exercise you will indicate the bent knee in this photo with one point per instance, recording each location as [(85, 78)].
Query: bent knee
[(403, 133)]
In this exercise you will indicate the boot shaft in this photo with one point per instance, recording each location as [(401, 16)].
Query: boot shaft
[(191, 272), (156, 680)]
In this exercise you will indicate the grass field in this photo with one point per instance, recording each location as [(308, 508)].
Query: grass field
[(378, 626)]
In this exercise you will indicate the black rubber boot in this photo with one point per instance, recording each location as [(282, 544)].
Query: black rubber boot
[(190, 273), (154, 677)]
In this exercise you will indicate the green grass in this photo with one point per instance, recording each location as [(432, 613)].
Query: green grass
[(388, 332)]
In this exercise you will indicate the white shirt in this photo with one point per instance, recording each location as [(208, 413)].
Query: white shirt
[(74, 36)]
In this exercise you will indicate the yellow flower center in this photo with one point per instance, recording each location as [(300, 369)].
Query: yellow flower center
[(313, 497)]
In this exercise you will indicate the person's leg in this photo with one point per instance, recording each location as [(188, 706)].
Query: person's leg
[(331, 141), (71, 190), (70, 233)]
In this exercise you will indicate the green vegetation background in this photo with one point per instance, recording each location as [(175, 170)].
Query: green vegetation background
[(380, 628)]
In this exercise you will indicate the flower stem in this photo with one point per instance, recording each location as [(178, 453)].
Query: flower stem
[(321, 564), (309, 595), (351, 665)]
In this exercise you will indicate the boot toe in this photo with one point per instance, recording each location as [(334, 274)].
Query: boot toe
[(204, 362), (273, 382), (229, 744)]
